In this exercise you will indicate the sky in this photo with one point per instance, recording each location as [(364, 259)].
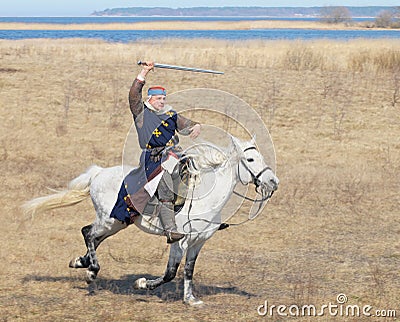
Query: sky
[(86, 7)]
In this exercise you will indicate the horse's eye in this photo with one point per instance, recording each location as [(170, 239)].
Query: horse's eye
[(250, 160)]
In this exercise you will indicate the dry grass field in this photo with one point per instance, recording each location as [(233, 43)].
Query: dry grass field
[(333, 110)]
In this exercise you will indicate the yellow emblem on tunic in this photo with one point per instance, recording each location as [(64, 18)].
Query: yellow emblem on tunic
[(157, 132), (164, 123), (169, 113)]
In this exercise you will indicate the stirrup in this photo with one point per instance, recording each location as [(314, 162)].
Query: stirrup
[(173, 237)]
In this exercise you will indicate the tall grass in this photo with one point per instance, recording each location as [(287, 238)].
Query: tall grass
[(358, 55)]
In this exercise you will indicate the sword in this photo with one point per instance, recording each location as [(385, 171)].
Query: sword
[(190, 69)]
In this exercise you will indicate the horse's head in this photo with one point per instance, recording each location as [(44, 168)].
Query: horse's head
[(252, 167)]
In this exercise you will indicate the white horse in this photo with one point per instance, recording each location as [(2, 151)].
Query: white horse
[(199, 218)]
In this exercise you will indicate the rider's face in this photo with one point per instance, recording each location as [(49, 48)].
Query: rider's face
[(157, 101)]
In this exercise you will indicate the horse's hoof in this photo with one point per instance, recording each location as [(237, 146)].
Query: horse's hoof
[(192, 301), (75, 263), (90, 276), (140, 283)]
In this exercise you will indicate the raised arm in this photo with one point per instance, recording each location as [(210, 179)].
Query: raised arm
[(135, 93)]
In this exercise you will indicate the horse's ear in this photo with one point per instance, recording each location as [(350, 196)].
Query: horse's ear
[(236, 143)]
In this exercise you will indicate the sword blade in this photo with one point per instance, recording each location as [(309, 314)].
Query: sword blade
[(190, 69)]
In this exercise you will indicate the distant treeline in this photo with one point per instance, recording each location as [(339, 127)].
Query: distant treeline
[(370, 11)]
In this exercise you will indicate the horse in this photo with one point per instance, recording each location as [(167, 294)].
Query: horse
[(198, 219)]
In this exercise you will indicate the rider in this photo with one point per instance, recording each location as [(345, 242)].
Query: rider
[(156, 124)]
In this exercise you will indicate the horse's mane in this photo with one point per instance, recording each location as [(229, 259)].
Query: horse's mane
[(207, 155)]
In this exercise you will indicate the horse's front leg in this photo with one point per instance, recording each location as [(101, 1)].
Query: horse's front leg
[(175, 256), (191, 256)]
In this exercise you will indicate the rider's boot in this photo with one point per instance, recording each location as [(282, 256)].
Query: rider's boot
[(167, 217)]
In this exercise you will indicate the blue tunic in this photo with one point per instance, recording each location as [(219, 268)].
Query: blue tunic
[(156, 131)]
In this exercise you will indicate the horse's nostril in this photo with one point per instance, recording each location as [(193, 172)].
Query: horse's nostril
[(274, 183)]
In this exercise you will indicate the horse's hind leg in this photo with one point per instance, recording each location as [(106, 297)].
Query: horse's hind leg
[(94, 234), (82, 261), (97, 234)]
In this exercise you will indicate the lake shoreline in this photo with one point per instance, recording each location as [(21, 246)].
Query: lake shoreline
[(189, 25)]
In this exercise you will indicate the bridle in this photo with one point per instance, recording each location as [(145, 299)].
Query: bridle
[(255, 180), (254, 177)]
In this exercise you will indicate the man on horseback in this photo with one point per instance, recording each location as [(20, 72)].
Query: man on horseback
[(156, 124)]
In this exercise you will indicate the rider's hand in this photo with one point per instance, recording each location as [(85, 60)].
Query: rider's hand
[(146, 67), (195, 131)]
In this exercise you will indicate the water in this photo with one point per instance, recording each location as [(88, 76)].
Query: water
[(125, 36), (137, 35)]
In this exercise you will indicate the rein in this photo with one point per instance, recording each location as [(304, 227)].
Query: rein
[(254, 200)]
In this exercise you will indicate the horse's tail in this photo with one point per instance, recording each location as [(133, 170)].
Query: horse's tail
[(78, 190)]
